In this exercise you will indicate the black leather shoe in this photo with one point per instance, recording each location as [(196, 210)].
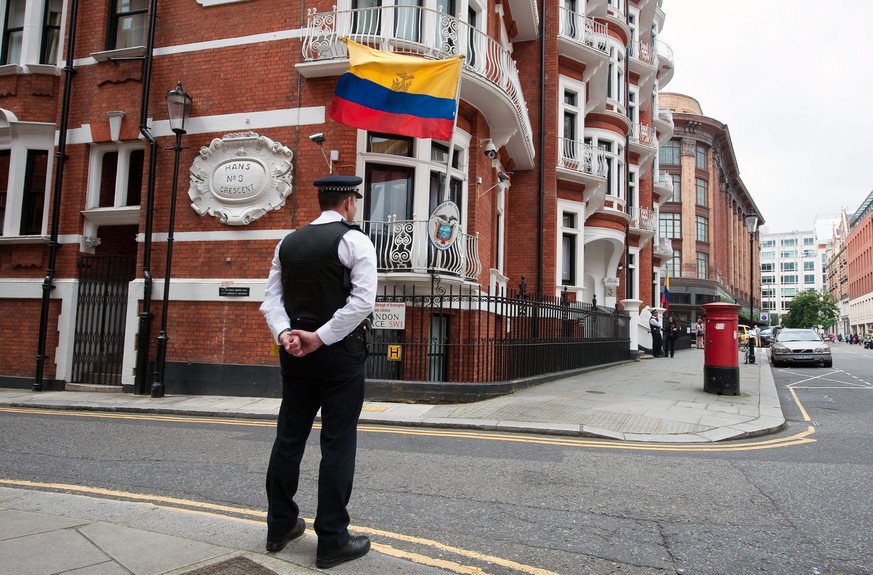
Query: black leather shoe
[(357, 546), (276, 545)]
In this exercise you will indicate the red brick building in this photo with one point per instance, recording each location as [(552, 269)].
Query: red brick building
[(553, 171)]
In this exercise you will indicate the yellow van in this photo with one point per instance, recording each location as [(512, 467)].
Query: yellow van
[(743, 334)]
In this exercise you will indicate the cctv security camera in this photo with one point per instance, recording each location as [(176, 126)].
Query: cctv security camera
[(318, 138), (490, 149)]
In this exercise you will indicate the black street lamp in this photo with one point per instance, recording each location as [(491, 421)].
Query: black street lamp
[(178, 107), (752, 225)]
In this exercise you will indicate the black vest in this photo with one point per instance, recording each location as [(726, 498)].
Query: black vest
[(314, 282)]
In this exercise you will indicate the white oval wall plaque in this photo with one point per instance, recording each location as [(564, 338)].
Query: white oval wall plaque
[(239, 180), (240, 177)]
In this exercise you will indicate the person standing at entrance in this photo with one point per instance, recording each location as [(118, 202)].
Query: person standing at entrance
[(655, 327), (671, 334), (699, 333), (320, 292)]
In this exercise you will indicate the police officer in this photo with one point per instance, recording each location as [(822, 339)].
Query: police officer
[(655, 327), (320, 291)]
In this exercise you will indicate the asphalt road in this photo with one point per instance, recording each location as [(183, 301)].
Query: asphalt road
[(510, 504)]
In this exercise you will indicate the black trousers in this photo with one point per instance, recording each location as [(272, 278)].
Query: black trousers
[(656, 342), (331, 379), (669, 346)]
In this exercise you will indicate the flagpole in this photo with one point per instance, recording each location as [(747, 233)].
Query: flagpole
[(452, 138)]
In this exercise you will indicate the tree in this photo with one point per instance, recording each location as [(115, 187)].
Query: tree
[(811, 309)]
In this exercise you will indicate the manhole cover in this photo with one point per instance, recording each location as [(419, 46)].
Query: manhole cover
[(235, 566)]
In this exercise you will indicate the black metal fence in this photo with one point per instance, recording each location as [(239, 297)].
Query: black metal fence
[(462, 335)]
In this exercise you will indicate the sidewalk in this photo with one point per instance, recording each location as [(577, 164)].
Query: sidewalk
[(658, 400)]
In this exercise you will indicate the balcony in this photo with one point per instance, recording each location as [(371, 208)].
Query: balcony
[(489, 79), (403, 246), (526, 16), (584, 40), (643, 222), (665, 63), (582, 163), (642, 61), (642, 141), (663, 187), (663, 248), (663, 122)]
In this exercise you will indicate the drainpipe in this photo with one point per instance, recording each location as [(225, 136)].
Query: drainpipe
[(542, 174), (61, 155), (145, 316)]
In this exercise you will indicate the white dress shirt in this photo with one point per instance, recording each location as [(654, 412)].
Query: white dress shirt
[(356, 252)]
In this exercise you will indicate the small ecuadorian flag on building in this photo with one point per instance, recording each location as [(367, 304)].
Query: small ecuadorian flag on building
[(665, 295), (397, 94)]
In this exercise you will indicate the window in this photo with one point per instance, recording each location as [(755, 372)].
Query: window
[(768, 279), (615, 77), (788, 254), (407, 16), (788, 242), (127, 24), (366, 16), (700, 157), (51, 32), (789, 292), (767, 256), (389, 192), (35, 178), (789, 279), (670, 153), (788, 266), (674, 266), (389, 144), (13, 32), (766, 267), (700, 186), (808, 266), (809, 278), (677, 188), (702, 229), (768, 292), (670, 225), (702, 265), (570, 237), (4, 184), (571, 120), (768, 244), (614, 158), (117, 175), (808, 241)]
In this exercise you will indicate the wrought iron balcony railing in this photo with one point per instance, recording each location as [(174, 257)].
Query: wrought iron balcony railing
[(581, 157), (643, 219), (643, 52), (423, 32), (402, 246), (584, 30), (642, 134)]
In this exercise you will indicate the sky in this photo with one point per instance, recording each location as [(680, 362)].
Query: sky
[(793, 80)]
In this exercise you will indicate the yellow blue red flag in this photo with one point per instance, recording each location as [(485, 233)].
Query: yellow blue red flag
[(665, 295), (397, 93)]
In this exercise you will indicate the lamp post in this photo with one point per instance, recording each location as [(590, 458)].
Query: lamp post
[(752, 225), (178, 107)]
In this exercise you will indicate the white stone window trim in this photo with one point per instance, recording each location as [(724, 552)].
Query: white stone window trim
[(117, 214), (578, 231), (421, 162), (31, 42), (615, 158), (565, 85), (23, 137)]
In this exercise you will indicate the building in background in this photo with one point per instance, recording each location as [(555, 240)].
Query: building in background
[(791, 263), (838, 272), (702, 221), (859, 260), (552, 175)]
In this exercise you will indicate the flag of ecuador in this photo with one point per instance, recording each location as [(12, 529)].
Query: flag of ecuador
[(397, 94)]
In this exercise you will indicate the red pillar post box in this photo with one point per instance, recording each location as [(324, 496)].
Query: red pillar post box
[(721, 366)]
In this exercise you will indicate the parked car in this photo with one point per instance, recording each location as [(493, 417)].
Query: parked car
[(766, 336), (800, 347)]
